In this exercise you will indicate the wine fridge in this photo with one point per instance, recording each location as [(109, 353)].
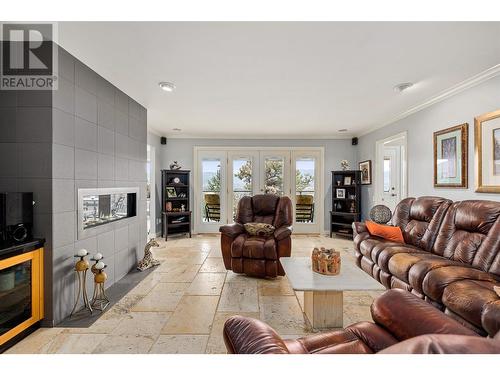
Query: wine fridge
[(21, 293)]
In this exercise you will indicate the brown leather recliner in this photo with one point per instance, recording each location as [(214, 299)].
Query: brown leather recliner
[(258, 256), (403, 324), (451, 257)]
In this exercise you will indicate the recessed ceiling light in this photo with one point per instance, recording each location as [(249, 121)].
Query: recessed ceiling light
[(176, 129), (403, 86), (167, 86), (342, 130)]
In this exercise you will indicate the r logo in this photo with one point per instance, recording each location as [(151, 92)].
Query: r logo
[(28, 57)]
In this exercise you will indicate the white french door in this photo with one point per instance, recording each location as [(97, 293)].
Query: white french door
[(243, 178), (211, 193), (306, 169), (390, 193), (274, 172), (390, 171), (224, 176)]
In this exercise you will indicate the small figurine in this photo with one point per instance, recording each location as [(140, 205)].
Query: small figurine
[(174, 166), (183, 208), (148, 261), (344, 164), (352, 209)]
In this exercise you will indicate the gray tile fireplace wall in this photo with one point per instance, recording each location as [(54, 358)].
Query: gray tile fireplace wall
[(86, 134), (99, 141)]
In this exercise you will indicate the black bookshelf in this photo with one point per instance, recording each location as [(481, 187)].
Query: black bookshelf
[(346, 202), (176, 214)]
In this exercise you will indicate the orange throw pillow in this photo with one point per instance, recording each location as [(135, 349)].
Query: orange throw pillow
[(385, 231)]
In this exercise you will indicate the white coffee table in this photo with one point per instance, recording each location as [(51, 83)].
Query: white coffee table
[(323, 295)]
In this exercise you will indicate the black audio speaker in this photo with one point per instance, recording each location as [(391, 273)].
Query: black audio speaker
[(354, 141), (163, 140), (16, 217)]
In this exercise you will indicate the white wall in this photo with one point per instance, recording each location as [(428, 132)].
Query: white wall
[(154, 141), (335, 151), (420, 126)]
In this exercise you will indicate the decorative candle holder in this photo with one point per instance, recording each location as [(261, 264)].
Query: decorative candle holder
[(99, 300), (325, 261), (81, 268), (96, 259)]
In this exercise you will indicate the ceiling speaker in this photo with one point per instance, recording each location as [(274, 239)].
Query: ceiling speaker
[(355, 141), (163, 140)]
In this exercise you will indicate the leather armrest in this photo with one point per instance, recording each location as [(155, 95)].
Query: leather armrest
[(445, 344), (358, 228), (405, 316), (282, 232), (490, 319), (232, 230), (244, 335)]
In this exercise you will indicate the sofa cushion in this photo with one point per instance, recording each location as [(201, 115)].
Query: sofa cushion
[(237, 245), (372, 243), (259, 248), (419, 270), (259, 229), (264, 207), (385, 255), (468, 299), (401, 263), (438, 279), (387, 232), (420, 219), (470, 234), (445, 344)]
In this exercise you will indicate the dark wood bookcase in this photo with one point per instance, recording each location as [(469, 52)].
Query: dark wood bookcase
[(176, 214), (346, 202)]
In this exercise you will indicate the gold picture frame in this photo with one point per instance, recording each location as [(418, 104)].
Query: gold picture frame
[(453, 171), (482, 157)]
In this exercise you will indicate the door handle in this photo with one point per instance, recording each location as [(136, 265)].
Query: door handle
[(393, 195)]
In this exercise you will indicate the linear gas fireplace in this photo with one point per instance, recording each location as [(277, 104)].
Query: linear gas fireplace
[(98, 207)]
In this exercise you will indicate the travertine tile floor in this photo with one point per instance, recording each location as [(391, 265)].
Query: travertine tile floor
[(181, 306)]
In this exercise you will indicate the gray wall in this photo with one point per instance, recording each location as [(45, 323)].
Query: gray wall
[(26, 161), (335, 151), (86, 134), (99, 140), (420, 126)]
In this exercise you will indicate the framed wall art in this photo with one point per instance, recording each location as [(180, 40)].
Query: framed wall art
[(366, 172), (451, 156), (340, 193), (487, 152), (171, 193)]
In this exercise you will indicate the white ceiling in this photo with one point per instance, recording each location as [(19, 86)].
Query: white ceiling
[(281, 79)]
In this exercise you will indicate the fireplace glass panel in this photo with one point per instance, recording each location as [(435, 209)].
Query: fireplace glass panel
[(15, 296), (105, 208)]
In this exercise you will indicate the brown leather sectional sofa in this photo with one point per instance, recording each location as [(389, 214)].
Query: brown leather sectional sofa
[(403, 324), (451, 257), (258, 256)]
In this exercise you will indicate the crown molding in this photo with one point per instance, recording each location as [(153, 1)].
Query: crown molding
[(454, 90), (254, 136)]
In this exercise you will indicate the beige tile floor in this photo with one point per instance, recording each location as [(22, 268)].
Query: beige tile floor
[(182, 305)]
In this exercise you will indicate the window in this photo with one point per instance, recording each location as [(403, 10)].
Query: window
[(387, 175)]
